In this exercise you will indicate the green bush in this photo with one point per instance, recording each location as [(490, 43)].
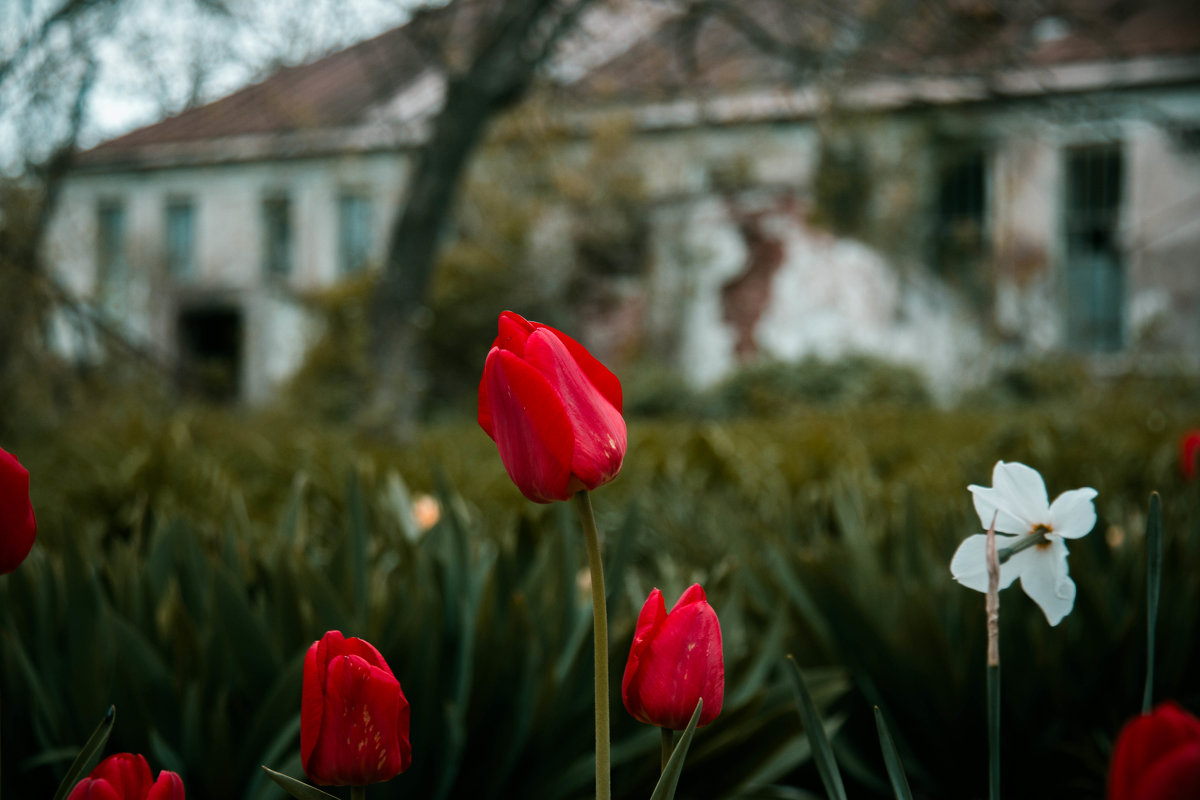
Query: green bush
[(186, 559)]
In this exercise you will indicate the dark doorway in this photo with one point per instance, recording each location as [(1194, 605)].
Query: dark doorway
[(210, 352)]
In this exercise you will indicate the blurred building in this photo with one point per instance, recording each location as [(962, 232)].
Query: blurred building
[(936, 183)]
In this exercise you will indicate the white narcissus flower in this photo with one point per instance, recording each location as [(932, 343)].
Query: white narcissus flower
[(1018, 502)]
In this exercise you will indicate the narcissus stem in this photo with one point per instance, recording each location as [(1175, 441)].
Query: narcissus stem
[(993, 663), (1024, 543), (668, 745), (600, 639)]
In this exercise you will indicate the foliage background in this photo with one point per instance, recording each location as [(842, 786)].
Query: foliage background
[(187, 556)]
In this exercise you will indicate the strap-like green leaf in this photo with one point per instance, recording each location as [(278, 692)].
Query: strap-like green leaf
[(822, 751), (297, 789), (665, 790), (89, 756), (891, 759), (1154, 557)]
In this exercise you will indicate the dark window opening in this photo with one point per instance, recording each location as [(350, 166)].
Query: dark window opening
[(1095, 279), (210, 352), (277, 235), (960, 216), (354, 232), (110, 248), (181, 237)]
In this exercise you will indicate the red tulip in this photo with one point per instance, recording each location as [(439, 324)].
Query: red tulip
[(1157, 757), (18, 528), (675, 660), (1189, 455), (353, 715), (553, 410), (126, 776)]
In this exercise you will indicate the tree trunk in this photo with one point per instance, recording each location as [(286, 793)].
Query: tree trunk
[(398, 312)]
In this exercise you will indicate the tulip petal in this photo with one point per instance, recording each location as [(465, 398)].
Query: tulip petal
[(675, 660), (651, 617), (128, 773), (1147, 740), (969, 565), (1046, 580), (600, 376), (597, 425), (1176, 776), (693, 594), (94, 789), (530, 426), (312, 696), (513, 331), (1073, 514), (169, 786), (360, 742), (18, 527)]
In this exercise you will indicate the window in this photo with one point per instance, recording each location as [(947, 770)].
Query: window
[(354, 232), (277, 235), (181, 222), (111, 272), (1095, 280), (960, 223)]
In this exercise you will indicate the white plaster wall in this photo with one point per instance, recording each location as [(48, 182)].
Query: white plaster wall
[(695, 250), (1162, 240), (228, 248), (1025, 203)]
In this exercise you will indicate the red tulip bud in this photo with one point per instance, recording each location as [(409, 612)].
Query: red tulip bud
[(18, 528), (126, 776), (1157, 757), (353, 715), (553, 410), (1189, 455), (675, 660)]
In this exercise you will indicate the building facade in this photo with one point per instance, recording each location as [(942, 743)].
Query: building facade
[(954, 221)]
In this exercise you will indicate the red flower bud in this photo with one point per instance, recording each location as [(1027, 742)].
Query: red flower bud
[(126, 776), (353, 715), (18, 528), (553, 410), (1189, 455), (675, 660), (1157, 757)]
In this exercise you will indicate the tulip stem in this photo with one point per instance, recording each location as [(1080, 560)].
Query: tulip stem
[(668, 745), (358, 793), (600, 639)]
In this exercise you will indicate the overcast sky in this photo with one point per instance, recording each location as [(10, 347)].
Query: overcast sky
[(153, 57)]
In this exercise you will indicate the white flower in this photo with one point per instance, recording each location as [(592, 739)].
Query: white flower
[(1018, 502)]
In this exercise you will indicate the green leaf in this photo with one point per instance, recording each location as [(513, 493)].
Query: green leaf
[(88, 756), (358, 548), (1154, 557), (822, 752), (297, 788), (665, 790), (891, 759)]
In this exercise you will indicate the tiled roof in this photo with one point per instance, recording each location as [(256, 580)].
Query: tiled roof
[(685, 54), (715, 55), (334, 92)]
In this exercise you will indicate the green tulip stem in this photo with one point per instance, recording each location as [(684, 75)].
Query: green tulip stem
[(358, 793), (600, 613), (668, 745)]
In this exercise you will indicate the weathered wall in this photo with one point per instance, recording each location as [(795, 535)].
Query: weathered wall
[(229, 247)]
